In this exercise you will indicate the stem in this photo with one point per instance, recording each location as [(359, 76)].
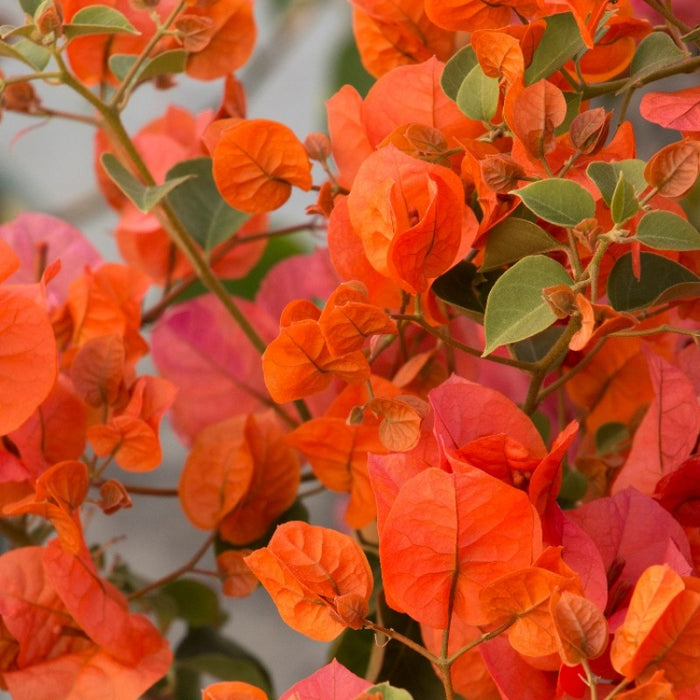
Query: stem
[(142, 490), (406, 641), (189, 565), (121, 95), (448, 340), (543, 366)]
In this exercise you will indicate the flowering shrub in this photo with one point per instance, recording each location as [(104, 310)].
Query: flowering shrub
[(491, 355)]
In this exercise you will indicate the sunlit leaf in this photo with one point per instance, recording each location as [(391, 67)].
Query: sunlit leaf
[(559, 201), (665, 230)]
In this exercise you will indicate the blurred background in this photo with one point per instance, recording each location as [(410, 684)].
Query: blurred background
[(303, 54)]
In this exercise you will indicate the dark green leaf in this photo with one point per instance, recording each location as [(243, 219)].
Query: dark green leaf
[(611, 438), (624, 203), (513, 239), (348, 68), (477, 96), (144, 198), (605, 176), (402, 667), (204, 650), (465, 287), (661, 280), (30, 6), (194, 602), (655, 51), (202, 210), (456, 70), (560, 42), (354, 648), (516, 308), (574, 485), (98, 19), (561, 202), (664, 230), (534, 348)]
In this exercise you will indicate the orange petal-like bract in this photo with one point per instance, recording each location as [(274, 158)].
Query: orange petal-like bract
[(233, 690), (256, 164), (466, 530), (28, 359), (319, 579)]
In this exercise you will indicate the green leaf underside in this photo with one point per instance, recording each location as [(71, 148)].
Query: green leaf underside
[(202, 210), (561, 202), (605, 176), (655, 52), (477, 96), (98, 19), (661, 280), (142, 197), (516, 309), (624, 203), (664, 230), (513, 239)]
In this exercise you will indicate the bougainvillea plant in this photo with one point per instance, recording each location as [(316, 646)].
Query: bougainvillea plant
[(491, 356)]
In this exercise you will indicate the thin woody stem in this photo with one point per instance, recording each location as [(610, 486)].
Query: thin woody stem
[(188, 566)]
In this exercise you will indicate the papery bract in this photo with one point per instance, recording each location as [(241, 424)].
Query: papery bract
[(319, 579), (459, 543), (332, 682), (256, 164)]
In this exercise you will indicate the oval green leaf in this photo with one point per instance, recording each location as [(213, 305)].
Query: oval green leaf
[(664, 230), (513, 239), (560, 42), (465, 287), (561, 202), (98, 19), (477, 96), (624, 203), (605, 176), (656, 51), (456, 70), (202, 210), (516, 309), (661, 280)]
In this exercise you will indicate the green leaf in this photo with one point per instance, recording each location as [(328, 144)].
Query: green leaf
[(661, 280), (465, 287), (560, 42), (656, 51), (204, 650), (573, 488), (573, 107), (30, 6), (611, 438), (605, 176), (347, 68), (664, 230), (477, 96), (98, 19), (388, 692), (144, 198), (534, 348), (516, 309), (513, 239), (561, 202), (456, 70), (162, 64), (34, 55), (624, 203), (193, 602), (207, 217)]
